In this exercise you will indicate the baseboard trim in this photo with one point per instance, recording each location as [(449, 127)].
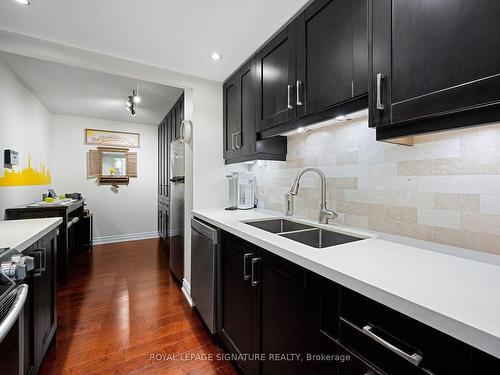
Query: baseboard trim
[(186, 290), (125, 237)]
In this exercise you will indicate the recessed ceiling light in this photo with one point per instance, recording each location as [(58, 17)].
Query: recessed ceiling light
[(303, 130), (23, 2), (216, 56), (135, 97)]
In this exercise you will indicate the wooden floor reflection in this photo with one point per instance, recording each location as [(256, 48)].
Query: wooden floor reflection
[(120, 307)]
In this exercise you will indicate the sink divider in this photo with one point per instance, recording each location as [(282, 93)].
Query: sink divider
[(299, 231)]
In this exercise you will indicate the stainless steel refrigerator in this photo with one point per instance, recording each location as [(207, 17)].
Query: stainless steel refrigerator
[(176, 222)]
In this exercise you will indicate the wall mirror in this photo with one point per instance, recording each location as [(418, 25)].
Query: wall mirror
[(114, 163), (111, 165)]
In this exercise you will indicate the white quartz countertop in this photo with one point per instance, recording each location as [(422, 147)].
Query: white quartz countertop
[(20, 234), (453, 290)]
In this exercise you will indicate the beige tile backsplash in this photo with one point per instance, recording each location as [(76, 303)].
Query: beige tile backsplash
[(445, 188)]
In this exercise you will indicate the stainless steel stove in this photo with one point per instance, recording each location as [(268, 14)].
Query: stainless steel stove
[(13, 294)]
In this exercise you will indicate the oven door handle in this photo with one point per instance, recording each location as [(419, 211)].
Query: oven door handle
[(15, 311)]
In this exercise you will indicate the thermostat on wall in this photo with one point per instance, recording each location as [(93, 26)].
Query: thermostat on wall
[(11, 157)]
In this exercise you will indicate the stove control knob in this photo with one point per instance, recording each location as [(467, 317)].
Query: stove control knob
[(28, 261), (21, 271), (14, 271)]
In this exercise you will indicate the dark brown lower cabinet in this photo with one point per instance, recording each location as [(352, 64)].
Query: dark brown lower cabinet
[(239, 302), (282, 315), (40, 310), (279, 318), (264, 309)]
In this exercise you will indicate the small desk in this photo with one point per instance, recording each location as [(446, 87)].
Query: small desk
[(75, 209)]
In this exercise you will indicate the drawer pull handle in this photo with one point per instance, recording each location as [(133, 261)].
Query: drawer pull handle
[(254, 262), (379, 105), (246, 276), (299, 86), (414, 359)]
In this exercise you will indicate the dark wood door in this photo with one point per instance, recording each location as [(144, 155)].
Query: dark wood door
[(160, 145), (238, 332), (166, 157), (359, 47), (175, 132), (177, 117), (283, 314), (44, 297), (431, 59), (160, 219), (245, 133), (29, 360), (275, 79), (164, 160), (231, 115), (325, 58)]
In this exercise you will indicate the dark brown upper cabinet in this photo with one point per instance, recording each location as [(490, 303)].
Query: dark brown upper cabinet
[(275, 76), (231, 116), (434, 65), (246, 133), (332, 54), (314, 69), (240, 136)]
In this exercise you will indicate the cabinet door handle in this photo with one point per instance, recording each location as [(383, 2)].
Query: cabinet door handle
[(232, 141), (299, 87), (290, 106), (238, 140), (415, 358), (254, 262), (181, 132), (41, 256), (380, 78), (245, 258)]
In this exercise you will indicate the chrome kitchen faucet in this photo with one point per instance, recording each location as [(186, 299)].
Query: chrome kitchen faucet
[(325, 214)]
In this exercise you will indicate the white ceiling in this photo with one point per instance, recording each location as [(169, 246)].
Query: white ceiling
[(178, 35), (74, 91)]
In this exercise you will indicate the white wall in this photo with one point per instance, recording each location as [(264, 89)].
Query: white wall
[(24, 127), (130, 213), (204, 98), (208, 187)]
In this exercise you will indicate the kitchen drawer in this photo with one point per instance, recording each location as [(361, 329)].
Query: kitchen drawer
[(441, 354), (342, 361)]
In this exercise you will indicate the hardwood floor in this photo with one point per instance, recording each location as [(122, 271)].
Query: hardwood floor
[(121, 306)]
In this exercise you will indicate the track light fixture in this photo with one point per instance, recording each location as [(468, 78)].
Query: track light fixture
[(132, 102)]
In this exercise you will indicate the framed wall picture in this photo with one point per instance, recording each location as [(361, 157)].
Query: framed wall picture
[(111, 138)]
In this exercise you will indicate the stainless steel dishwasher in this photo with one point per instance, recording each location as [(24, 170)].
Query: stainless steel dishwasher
[(205, 270)]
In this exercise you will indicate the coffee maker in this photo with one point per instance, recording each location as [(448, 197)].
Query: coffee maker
[(241, 191)]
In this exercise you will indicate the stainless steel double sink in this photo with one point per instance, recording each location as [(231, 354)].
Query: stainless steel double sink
[(303, 233)]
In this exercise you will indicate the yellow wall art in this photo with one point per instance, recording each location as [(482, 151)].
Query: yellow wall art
[(26, 176)]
